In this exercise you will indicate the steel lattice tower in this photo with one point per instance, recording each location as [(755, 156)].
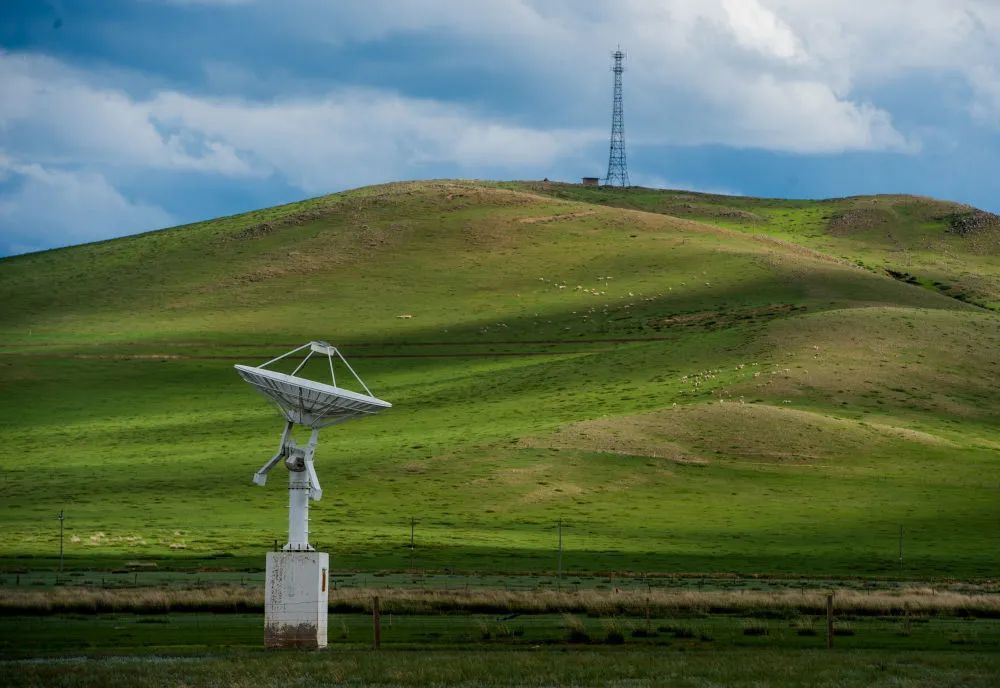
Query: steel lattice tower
[(617, 168)]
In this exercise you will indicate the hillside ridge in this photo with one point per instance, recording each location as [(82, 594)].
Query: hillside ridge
[(316, 206)]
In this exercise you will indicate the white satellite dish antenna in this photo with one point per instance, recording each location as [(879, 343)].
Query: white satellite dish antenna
[(314, 405), (295, 596)]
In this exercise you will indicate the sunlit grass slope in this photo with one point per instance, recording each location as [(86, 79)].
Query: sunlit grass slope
[(686, 395), (943, 246)]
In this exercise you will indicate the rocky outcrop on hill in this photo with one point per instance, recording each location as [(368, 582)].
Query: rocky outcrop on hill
[(972, 221)]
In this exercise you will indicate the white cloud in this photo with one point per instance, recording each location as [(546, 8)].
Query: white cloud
[(737, 73), (54, 116), (354, 136), (758, 28), (806, 117), (698, 70), (51, 114), (52, 207), (684, 53)]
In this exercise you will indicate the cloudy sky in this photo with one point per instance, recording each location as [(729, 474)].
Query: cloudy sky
[(123, 116)]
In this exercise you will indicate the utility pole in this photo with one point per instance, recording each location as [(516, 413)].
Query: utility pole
[(559, 569), (62, 518), (900, 550), (617, 167), (412, 545)]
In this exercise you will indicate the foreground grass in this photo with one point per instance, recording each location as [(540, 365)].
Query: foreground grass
[(542, 667)]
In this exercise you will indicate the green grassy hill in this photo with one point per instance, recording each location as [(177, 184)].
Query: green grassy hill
[(947, 247), (691, 383)]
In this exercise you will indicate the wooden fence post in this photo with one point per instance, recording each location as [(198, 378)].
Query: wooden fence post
[(829, 620), (377, 622)]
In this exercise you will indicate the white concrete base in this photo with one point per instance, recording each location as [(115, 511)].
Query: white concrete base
[(295, 599)]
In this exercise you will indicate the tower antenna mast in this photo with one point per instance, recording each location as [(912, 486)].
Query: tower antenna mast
[(617, 167)]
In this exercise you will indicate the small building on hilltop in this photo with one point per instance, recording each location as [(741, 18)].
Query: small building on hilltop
[(591, 181)]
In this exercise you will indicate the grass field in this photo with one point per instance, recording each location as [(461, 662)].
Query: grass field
[(179, 634), (197, 650), (696, 392), (604, 667)]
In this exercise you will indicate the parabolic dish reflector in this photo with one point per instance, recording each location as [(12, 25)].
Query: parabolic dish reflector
[(307, 402)]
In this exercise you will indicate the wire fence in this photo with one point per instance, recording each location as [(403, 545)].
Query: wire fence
[(434, 554)]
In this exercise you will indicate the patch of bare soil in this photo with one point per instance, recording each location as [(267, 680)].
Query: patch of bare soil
[(556, 218), (265, 273), (458, 196), (725, 318)]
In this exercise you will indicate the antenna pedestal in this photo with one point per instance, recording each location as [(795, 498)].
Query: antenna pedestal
[(299, 489), (295, 599)]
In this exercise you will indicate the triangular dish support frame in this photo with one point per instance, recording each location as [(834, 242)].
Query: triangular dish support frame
[(316, 347)]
